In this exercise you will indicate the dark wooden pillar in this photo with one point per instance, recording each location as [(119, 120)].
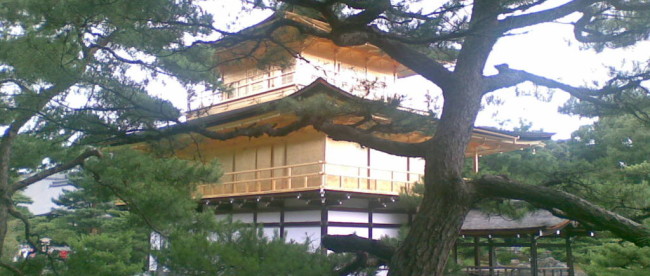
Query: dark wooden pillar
[(569, 254), (491, 255), (533, 256), (455, 252), (323, 225), (370, 221), (477, 257), (282, 235), (323, 221)]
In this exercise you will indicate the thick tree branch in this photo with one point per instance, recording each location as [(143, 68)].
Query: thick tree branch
[(62, 167), (354, 243), (510, 77), (351, 134), (370, 11), (28, 235), (11, 268), (420, 63), (584, 34), (548, 15), (347, 35), (571, 206)]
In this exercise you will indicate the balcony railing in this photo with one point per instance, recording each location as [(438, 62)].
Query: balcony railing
[(259, 84), (310, 176)]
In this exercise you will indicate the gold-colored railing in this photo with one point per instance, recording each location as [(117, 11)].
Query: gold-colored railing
[(247, 87), (310, 176)]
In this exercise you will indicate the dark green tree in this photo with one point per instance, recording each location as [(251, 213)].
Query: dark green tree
[(56, 49)]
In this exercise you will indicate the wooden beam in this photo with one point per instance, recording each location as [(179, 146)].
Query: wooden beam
[(569, 255), (533, 255), (477, 260), (491, 255)]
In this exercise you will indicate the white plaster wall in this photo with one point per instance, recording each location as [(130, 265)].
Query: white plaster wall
[(301, 234), (339, 230), (221, 216), (378, 233), (268, 217), (389, 218), (302, 216), (345, 216), (245, 218), (271, 232)]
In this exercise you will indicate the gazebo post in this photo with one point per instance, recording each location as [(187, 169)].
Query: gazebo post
[(533, 255), (569, 254), (455, 252), (477, 261), (491, 255)]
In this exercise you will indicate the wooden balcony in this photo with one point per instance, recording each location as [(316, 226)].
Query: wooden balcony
[(264, 82), (310, 176)]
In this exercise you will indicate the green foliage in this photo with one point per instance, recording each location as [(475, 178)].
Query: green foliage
[(90, 63), (231, 248), (114, 253), (617, 259), (607, 163), (108, 239), (147, 184)]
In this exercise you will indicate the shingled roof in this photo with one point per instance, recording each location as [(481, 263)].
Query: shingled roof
[(537, 222)]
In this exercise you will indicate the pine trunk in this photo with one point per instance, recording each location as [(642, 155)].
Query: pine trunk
[(447, 198), (4, 217)]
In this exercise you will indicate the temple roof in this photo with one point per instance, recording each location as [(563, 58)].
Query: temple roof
[(509, 139)]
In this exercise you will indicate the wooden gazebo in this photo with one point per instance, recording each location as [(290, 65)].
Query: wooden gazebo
[(531, 231)]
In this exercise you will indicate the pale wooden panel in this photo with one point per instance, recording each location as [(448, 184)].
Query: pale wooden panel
[(417, 166), (264, 161), (301, 152), (388, 167), (226, 162), (234, 74), (346, 165), (244, 161), (279, 159)]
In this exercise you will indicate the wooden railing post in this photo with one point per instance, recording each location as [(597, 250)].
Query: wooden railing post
[(319, 172), (289, 177), (358, 177), (323, 178)]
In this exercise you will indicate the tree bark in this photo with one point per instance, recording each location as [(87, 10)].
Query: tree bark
[(565, 205), (448, 198), (4, 217)]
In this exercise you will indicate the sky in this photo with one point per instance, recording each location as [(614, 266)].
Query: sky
[(545, 50)]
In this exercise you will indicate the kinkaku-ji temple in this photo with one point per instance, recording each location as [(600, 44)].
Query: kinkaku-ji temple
[(306, 185)]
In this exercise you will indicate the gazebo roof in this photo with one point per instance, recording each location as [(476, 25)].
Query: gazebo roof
[(540, 222)]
